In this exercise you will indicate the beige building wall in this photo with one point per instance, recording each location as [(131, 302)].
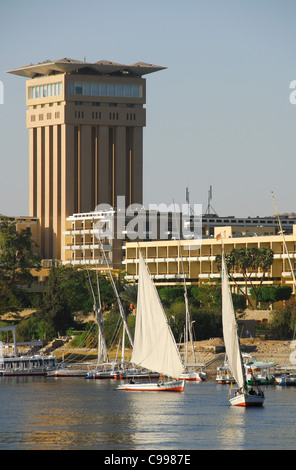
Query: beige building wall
[(85, 126), (166, 259), (84, 247), (79, 159)]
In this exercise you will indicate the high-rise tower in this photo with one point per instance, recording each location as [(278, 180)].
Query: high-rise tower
[(85, 124)]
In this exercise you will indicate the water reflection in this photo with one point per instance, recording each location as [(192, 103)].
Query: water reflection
[(92, 417), (157, 418), (233, 429), (70, 413)]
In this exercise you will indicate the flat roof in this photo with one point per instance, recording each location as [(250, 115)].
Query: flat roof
[(102, 67)]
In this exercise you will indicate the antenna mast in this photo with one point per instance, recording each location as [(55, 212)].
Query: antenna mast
[(210, 195)]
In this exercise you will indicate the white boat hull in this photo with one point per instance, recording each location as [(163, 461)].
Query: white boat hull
[(172, 386), (285, 381), (193, 376), (20, 373), (67, 373), (102, 375), (246, 400)]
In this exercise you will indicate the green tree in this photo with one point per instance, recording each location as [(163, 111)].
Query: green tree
[(75, 283), (283, 321), (129, 294), (170, 295), (17, 259), (55, 313), (271, 294), (246, 261), (208, 295), (206, 323)]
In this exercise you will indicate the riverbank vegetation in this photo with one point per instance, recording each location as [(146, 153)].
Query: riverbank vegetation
[(71, 290)]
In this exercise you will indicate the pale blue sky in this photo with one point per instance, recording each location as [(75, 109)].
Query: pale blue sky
[(219, 115)]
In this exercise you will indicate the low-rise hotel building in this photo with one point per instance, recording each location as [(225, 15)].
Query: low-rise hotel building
[(170, 260)]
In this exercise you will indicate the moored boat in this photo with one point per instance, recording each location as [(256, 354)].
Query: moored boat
[(259, 373), (243, 395), (193, 376), (286, 380), (287, 377), (224, 375), (67, 371), (247, 398), (34, 365), (160, 386), (154, 345)]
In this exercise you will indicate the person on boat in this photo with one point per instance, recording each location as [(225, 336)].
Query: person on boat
[(131, 381), (252, 392)]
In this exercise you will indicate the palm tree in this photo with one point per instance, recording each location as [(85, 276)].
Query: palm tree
[(129, 293)]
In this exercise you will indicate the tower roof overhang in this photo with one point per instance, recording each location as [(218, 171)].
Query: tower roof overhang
[(102, 67)]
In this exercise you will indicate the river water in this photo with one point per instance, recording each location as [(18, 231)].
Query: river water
[(40, 413)]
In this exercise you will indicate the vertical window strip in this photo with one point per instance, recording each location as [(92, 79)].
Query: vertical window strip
[(127, 90), (43, 91)]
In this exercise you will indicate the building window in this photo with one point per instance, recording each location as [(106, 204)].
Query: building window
[(71, 88), (95, 115), (95, 89), (43, 91), (78, 88), (128, 90), (136, 91), (86, 89), (119, 90), (103, 89), (111, 90)]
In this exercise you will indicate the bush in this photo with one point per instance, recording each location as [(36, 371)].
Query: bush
[(273, 294), (282, 325), (206, 323)]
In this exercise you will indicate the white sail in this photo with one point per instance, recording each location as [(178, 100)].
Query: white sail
[(230, 329), (154, 345)]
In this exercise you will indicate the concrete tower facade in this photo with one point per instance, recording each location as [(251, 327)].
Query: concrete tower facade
[(85, 124)]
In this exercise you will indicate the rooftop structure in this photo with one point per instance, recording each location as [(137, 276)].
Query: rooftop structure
[(85, 122), (102, 67)]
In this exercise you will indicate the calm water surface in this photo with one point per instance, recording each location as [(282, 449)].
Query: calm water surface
[(78, 414)]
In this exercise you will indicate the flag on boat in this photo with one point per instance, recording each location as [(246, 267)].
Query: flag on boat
[(218, 236)]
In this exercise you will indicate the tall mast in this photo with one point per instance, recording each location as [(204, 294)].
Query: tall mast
[(102, 347), (121, 309), (188, 325), (284, 241)]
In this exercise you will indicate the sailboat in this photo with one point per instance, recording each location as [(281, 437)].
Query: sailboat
[(154, 345), (243, 395), (106, 369), (189, 375)]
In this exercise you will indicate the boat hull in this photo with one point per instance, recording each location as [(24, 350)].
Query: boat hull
[(192, 377), (173, 386), (246, 400), (101, 375), (286, 381), (261, 380), (73, 373), (225, 380), (23, 373)]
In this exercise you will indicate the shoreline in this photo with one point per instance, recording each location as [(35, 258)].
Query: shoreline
[(209, 352)]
